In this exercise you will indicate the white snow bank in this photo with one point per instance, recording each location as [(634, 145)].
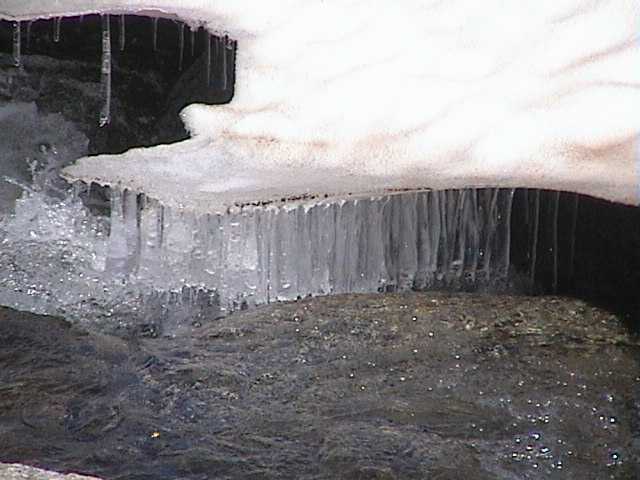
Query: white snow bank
[(355, 96)]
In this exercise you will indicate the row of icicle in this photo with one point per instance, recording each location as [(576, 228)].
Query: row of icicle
[(225, 43)]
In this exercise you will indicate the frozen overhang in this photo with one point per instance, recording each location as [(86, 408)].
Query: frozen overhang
[(335, 98)]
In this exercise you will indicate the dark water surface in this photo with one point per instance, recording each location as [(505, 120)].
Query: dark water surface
[(398, 386)]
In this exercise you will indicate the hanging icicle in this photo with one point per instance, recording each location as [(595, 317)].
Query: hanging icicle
[(207, 55), (193, 42), (554, 235), (225, 51), (154, 34), (29, 23), (572, 239), (81, 18), (122, 36), (180, 45), (105, 112), (17, 55), (534, 243), (56, 29)]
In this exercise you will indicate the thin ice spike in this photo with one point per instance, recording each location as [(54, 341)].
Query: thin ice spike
[(225, 51), (154, 34), (122, 33), (56, 29), (554, 234), (193, 42), (572, 239), (180, 45), (29, 23), (105, 113), (534, 243), (17, 55), (207, 55)]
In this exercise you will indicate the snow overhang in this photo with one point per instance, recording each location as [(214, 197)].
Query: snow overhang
[(361, 97)]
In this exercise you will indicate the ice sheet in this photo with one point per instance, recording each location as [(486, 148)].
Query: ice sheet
[(336, 97)]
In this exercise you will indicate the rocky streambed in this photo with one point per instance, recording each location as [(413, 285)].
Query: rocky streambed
[(395, 386)]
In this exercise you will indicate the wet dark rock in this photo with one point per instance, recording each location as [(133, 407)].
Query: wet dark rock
[(397, 386)]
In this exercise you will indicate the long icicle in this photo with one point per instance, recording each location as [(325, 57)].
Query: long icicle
[(207, 55), (534, 245), (105, 85), (554, 233), (29, 23), (193, 41), (572, 239), (225, 51), (17, 55), (180, 45), (507, 219), (154, 34), (122, 33), (56, 29)]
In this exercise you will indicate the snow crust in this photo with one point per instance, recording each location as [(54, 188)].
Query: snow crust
[(337, 97)]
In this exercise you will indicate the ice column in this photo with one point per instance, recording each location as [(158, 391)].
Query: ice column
[(105, 80)]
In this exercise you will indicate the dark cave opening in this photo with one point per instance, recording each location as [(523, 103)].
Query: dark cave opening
[(158, 66)]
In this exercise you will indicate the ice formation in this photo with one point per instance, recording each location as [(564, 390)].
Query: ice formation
[(369, 96)]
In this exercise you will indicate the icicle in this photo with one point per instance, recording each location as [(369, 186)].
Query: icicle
[(507, 229), (180, 45), (554, 234), (105, 113), (56, 29), (207, 55), (461, 234), (475, 235), (534, 244), (81, 18), (225, 51), (154, 34), (29, 23), (490, 230), (122, 33), (572, 238), (17, 56), (193, 42)]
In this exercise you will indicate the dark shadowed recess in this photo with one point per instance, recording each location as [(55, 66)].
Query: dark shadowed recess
[(151, 80), (586, 247)]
